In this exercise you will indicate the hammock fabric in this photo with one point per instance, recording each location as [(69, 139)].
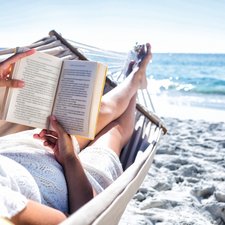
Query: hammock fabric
[(138, 154)]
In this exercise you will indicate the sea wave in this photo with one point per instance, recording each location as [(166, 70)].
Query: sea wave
[(189, 73), (213, 86)]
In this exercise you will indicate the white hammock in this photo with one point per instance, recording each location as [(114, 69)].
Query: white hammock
[(137, 156)]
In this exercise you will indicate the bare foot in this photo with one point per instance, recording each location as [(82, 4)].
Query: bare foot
[(140, 71)]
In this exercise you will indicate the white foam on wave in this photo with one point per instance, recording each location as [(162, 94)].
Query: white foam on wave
[(163, 107), (196, 107)]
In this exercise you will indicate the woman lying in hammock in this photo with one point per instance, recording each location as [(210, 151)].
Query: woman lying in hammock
[(42, 187)]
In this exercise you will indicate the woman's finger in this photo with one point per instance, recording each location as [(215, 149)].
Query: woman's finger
[(12, 83), (41, 135), (5, 64), (49, 144), (58, 128), (50, 138)]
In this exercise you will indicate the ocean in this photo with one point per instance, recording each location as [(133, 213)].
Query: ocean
[(198, 78), (191, 81)]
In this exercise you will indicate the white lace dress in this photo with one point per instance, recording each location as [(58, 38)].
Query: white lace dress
[(29, 171)]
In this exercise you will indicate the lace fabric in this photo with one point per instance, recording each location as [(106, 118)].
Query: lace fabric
[(42, 166), (15, 184), (102, 166), (43, 176)]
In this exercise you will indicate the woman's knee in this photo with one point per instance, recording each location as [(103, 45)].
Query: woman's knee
[(124, 130), (106, 109)]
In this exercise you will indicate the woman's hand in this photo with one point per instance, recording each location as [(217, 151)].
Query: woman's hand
[(59, 141), (79, 188), (5, 69)]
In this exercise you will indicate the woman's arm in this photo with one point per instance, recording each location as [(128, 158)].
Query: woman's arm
[(79, 189), (38, 214)]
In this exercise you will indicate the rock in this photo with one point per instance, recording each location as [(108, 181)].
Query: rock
[(217, 210), (139, 197), (204, 192), (219, 196)]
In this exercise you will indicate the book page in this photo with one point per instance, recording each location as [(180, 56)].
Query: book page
[(32, 104), (73, 102)]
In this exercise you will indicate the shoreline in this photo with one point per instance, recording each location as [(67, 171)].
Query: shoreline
[(164, 108), (185, 184)]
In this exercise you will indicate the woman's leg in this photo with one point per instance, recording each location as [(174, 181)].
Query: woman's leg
[(118, 132), (115, 102)]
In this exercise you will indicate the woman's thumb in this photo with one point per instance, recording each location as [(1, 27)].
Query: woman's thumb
[(56, 125)]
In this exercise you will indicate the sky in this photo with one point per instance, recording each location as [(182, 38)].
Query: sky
[(191, 26)]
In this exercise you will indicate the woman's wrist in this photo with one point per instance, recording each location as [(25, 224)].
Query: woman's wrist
[(70, 159)]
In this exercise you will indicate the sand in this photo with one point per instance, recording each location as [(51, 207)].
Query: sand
[(186, 183)]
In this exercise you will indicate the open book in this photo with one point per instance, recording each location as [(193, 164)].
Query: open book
[(70, 89)]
